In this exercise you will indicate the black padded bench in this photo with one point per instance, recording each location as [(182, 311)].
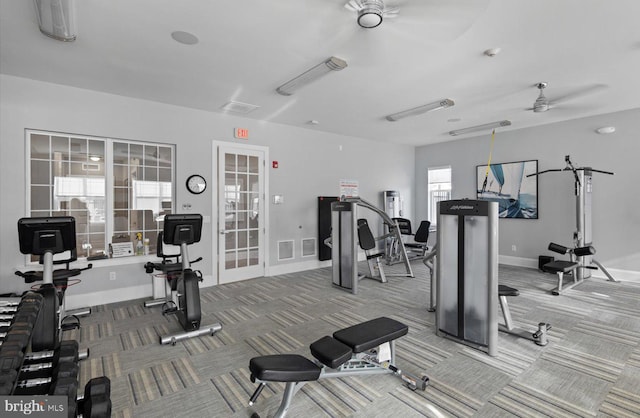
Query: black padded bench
[(562, 267), (346, 352), (539, 337)]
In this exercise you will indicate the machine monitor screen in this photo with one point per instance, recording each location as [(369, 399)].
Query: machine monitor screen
[(40, 235), (179, 229)]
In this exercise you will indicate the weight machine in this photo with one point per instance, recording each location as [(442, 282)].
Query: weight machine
[(582, 237), (344, 243), (467, 289)]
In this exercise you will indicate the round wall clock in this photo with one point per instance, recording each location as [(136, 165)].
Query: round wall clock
[(196, 184)]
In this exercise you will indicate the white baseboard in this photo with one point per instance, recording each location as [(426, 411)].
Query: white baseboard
[(107, 296), (145, 291), (618, 274), (517, 261), (296, 267)]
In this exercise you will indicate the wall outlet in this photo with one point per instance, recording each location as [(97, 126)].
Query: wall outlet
[(112, 275), (513, 248)]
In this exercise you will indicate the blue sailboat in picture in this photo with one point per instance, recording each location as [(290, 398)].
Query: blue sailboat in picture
[(504, 187)]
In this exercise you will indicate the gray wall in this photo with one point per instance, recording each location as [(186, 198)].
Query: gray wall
[(616, 218), (310, 165)]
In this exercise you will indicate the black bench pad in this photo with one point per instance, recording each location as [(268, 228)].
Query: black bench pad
[(331, 352), (507, 291), (370, 334), (560, 266), (284, 368)]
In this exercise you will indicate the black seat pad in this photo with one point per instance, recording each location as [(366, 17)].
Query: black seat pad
[(507, 291), (284, 368), (560, 266), (331, 352), (370, 334), (168, 268), (37, 275)]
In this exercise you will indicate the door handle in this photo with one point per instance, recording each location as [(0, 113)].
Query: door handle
[(222, 232)]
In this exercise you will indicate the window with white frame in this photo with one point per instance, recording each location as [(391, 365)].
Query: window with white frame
[(439, 189), (116, 190)]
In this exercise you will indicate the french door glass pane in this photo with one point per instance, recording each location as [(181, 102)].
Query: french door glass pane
[(240, 208)]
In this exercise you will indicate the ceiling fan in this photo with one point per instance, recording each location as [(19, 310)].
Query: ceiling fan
[(371, 12), (429, 21), (542, 103)]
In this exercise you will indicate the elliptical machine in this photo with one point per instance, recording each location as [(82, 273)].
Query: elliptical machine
[(44, 237), (184, 297)]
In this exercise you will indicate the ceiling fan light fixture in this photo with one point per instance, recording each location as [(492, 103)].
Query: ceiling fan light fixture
[(325, 67), (542, 103), (370, 15), (57, 19), (440, 104), (478, 128)]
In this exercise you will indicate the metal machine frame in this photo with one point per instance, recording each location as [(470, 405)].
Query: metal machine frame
[(467, 273), (582, 237), (344, 245)]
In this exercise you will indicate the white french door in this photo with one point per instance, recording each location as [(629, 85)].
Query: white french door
[(241, 212)]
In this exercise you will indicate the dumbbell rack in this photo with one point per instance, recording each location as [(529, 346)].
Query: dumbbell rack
[(48, 372)]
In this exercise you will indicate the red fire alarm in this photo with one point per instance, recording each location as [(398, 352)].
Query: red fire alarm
[(274, 164)]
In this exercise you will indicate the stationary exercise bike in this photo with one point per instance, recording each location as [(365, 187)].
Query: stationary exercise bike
[(183, 298), (44, 237)]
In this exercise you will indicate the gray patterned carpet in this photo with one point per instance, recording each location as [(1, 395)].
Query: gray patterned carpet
[(590, 368)]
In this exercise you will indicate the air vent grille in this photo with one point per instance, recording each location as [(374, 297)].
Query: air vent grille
[(239, 107)]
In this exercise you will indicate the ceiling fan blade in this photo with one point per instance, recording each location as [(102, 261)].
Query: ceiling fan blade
[(353, 5), (439, 21), (391, 12), (586, 91)]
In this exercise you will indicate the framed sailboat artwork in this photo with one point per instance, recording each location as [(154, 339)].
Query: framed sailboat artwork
[(508, 184)]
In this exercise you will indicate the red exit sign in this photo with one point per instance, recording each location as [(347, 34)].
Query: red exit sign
[(241, 133)]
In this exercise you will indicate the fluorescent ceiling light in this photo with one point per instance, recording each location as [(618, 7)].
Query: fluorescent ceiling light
[(421, 109), (328, 65), (480, 127), (57, 19)]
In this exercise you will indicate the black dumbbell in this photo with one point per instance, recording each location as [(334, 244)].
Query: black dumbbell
[(66, 386), (97, 386), (58, 371), (96, 401), (24, 320), (19, 337), (10, 359), (14, 304), (17, 340), (7, 382), (96, 407), (67, 352)]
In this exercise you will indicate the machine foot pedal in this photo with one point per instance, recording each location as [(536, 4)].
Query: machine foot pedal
[(70, 322)]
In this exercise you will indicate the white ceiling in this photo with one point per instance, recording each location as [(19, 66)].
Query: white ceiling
[(432, 50)]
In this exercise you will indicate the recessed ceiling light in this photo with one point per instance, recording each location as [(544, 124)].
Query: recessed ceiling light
[(606, 130), (312, 122), (184, 38)]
